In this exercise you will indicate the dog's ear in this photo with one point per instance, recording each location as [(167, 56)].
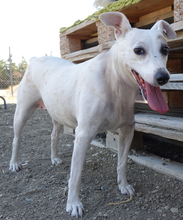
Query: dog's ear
[(166, 29), (116, 20)]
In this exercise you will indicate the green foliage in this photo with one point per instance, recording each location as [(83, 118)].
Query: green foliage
[(17, 72)]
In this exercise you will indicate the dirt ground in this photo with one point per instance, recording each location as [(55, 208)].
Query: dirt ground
[(39, 190)]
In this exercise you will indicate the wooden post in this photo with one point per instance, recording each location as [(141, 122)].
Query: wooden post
[(69, 45), (11, 77), (105, 34), (178, 10)]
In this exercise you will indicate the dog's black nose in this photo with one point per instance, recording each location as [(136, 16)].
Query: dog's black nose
[(162, 77)]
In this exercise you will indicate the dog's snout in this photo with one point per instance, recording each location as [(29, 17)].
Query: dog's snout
[(162, 77)]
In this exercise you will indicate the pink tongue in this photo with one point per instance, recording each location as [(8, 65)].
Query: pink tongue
[(156, 99)]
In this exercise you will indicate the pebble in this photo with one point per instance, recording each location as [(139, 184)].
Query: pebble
[(130, 161), (100, 214), (174, 210), (29, 200), (139, 194), (65, 190), (105, 215), (94, 155), (102, 188), (154, 191)]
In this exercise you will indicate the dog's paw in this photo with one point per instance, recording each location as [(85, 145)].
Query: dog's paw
[(75, 209), (56, 161), (15, 167), (127, 189)]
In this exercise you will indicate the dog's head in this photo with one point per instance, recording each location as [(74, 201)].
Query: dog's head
[(144, 54)]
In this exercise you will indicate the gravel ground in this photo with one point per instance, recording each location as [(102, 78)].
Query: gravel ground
[(39, 190)]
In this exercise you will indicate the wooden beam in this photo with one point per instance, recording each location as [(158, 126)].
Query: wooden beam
[(178, 41), (172, 168), (173, 86), (178, 26), (145, 7), (161, 125), (81, 37), (154, 19), (86, 28), (156, 13)]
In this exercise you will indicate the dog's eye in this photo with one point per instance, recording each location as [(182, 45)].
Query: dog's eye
[(165, 50), (139, 51)]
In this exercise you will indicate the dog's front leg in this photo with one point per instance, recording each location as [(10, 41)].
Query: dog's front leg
[(82, 140), (125, 139)]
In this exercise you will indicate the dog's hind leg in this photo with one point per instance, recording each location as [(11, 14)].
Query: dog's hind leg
[(54, 140), (20, 118), (125, 139), (27, 102)]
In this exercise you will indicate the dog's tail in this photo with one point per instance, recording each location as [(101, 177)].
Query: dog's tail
[(102, 3)]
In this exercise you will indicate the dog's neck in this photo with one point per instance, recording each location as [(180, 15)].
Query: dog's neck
[(121, 90)]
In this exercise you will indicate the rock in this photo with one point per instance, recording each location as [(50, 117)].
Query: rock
[(174, 210)]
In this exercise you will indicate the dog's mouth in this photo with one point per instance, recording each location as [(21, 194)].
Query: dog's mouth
[(152, 94)]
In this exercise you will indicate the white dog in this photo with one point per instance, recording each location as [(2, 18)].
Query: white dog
[(97, 95)]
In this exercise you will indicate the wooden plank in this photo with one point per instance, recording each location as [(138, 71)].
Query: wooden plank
[(170, 134), (178, 26), (82, 55), (154, 19), (172, 169), (86, 54), (173, 86), (169, 123), (145, 7), (92, 40), (176, 77), (82, 37), (156, 13), (175, 82), (85, 28), (178, 41)]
